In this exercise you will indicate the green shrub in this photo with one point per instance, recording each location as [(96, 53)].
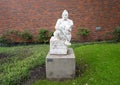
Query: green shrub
[(7, 38), (51, 34), (27, 35), (4, 41), (43, 36), (83, 32), (116, 33), (14, 32)]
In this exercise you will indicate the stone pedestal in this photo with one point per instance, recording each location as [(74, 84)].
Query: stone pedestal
[(60, 66)]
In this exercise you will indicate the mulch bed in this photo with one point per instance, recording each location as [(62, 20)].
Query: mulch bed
[(36, 73), (4, 55)]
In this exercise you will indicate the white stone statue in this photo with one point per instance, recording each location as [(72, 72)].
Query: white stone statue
[(63, 28), (62, 35)]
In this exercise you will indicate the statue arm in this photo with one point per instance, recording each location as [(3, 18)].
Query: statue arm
[(71, 25), (57, 26)]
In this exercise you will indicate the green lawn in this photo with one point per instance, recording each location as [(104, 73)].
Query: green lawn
[(99, 64)]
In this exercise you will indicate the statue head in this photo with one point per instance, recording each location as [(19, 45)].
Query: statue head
[(65, 14)]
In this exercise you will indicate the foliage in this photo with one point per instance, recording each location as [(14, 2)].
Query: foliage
[(5, 41), (83, 31), (43, 36), (14, 32), (51, 34), (10, 36), (27, 35), (117, 33), (7, 38), (17, 61)]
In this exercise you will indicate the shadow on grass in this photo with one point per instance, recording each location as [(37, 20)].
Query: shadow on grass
[(81, 69)]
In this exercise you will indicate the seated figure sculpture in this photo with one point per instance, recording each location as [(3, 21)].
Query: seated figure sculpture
[(61, 40)]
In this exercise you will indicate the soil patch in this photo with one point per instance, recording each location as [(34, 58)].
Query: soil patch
[(4, 55), (80, 69), (36, 73)]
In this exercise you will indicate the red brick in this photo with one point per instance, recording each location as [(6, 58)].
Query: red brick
[(36, 14)]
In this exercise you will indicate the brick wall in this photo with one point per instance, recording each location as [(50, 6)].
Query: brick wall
[(36, 14)]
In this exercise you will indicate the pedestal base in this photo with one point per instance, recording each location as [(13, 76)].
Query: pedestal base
[(60, 66)]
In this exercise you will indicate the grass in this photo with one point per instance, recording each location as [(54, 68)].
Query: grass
[(16, 62), (99, 64), (103, 63)]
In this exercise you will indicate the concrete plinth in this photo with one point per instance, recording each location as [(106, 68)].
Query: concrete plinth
[(60, 66)]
